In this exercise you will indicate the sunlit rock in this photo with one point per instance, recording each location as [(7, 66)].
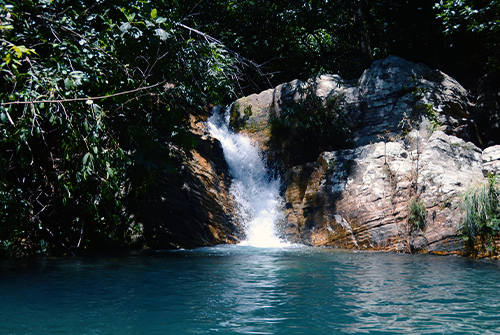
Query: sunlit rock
[(414, 137)]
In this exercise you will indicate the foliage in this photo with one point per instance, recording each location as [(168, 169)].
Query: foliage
[(481, 207), (433, 118), (475, 15), (311, 124), (300, 39), (417, 214), (481, 18), (69, 162), (408, 125)]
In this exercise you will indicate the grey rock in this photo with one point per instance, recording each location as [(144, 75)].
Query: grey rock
[(491, 160), (358, 197)]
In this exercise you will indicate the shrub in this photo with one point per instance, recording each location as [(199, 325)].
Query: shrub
[(94, 104), (481, 205), (311, 125), (417, 214)]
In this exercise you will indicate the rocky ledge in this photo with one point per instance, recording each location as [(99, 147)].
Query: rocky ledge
[(415, 136)]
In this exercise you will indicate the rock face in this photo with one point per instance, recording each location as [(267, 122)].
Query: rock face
[(191, 207), (414, 142)]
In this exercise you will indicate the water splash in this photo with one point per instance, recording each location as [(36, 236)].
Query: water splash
[(256, 195)]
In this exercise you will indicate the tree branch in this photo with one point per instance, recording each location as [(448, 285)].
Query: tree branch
[(241, 59), (81, 99)]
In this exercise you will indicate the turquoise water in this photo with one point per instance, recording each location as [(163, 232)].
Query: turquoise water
[(235, 289)]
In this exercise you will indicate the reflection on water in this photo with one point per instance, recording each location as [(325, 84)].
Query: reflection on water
[(251, 294), (422, 294), (241, 289)]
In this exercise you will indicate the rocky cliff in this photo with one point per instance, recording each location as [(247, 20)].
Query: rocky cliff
[(414, 141), (190, 207)]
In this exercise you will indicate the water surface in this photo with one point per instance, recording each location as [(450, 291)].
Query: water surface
[(238, 289)]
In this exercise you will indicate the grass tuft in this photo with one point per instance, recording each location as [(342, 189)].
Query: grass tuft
[(481, 205), (417, 214)]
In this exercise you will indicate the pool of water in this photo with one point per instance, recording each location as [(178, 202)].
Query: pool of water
[(247, 290)]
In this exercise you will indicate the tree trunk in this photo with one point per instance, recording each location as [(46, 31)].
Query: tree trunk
[(360, 27)]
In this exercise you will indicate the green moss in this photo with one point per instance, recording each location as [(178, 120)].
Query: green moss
[(240, 113), (254, 127), (248, 110), (467, 146)]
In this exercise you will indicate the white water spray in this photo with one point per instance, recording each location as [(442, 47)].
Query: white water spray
[(256, 195)]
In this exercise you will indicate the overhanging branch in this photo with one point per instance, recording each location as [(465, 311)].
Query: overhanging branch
[(81, 99), (241, 59)]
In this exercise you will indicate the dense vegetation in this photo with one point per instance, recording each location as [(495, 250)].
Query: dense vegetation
[(95, 95), (296, 39), (481, 206), (69, 161)]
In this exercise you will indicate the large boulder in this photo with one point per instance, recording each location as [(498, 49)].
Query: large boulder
[(414, 142)]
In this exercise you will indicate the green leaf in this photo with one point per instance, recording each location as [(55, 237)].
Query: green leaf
[(20, 50), (154, 13), (110, 172), (162, 34), (87, 156), (6, 27), (161, 20), (125, 26), (17, 50), (7, 59), (69, 83), (67, 190)]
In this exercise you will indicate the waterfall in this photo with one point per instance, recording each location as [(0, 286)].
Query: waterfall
[(256, 194)]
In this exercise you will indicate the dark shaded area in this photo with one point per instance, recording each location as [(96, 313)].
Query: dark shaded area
[(488, 109), (298, 39), (190, 207), (302, 129)]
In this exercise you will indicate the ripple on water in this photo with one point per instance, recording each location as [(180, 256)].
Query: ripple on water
[(248, 290)]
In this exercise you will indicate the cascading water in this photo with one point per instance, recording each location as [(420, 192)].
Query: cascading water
[(256, 195)]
